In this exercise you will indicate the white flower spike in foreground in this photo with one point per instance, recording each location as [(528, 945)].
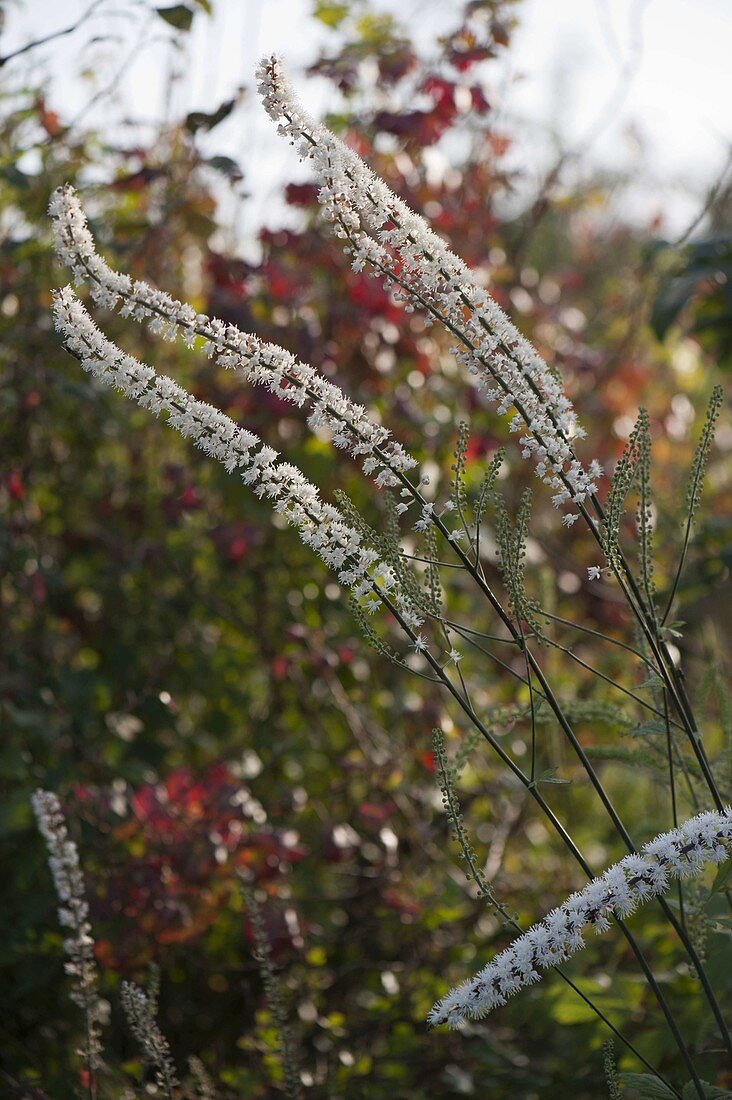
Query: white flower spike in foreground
[(250, 358), (381, 232), (681, 853), (320, 525)]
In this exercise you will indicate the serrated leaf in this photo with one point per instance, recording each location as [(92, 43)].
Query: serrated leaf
[(645, 1087), (711, 1092), (179, 16)]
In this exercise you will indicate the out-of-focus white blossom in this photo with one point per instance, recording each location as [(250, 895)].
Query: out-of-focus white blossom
[(252, 359), (681, 853), (73, 914), (381, 231)]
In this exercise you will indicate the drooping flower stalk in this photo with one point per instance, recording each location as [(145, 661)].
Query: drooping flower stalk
[(266, 364), (680, 853), (319, 524), (252, 359), (402, 255), (321, 527), (324, 529), (381, 231), (73, 914)]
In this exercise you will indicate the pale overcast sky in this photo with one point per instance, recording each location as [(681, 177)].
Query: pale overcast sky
[(565, 66)]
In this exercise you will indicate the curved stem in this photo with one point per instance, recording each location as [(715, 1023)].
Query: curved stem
[(556, 824)]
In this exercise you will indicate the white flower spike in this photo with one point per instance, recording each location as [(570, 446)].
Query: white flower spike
[(681, 853), (381, 231), (320, 525), (73, 915), (252, 359)]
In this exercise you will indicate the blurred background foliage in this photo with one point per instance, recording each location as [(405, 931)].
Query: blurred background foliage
[(187, 676)]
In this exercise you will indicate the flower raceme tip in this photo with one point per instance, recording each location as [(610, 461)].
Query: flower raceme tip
[(382, 233)]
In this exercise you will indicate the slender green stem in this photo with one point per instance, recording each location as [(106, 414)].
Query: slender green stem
[(603, 637), (486, 893), (674, 812), (670, 674), (627, 581), (556, 824), (608, 679), (687, 538)]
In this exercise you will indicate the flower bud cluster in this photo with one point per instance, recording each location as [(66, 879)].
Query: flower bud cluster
[(252, 359), (73, 914), (680, 853), (320, 525), (381, 231)]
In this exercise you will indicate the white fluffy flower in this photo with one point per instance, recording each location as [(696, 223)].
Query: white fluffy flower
[(680, 853), (252, 359), (320, 525), (382, 232)]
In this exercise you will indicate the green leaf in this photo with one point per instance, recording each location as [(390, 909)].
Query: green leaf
[(723, 876), (330, 12), (550, 776), (179, 16), (670, 301), (645, 1087), (226, 166), (200, 120), (699, 284), (711, 1092)]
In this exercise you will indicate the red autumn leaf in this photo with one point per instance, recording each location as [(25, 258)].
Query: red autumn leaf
[(279, 667), (49, 119), (442, 91), (427, 761), (375, 814), (14, 482), (478, 99), (301, 194)]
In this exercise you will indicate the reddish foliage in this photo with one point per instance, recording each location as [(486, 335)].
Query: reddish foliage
[(182, 840)]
